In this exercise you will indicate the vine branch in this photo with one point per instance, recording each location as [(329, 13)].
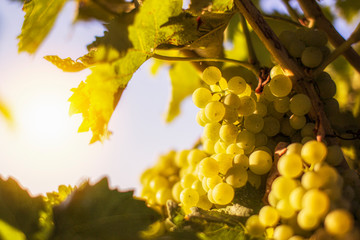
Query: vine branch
[(203, 59), (250, 47), (313, 12)]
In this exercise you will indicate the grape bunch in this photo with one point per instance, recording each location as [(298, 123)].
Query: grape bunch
[(309, 195), (240, 131), (308, 46)]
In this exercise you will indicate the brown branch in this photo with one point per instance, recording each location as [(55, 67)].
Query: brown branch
[(313, 12), (301, 80)]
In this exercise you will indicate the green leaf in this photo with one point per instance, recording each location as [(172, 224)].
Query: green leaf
[(39, 18), (349, 9), (96, 212), (103, 10), (19, 212), (218, 231), (67, 64), (222, 5), (8, 232), (184, 80)]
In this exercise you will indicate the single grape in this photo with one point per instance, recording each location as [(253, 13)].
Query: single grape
[(234, 149), (295, 198), (300, 104), (254, 123), (268, 216), (197, 186), (158, 182), (241, 160), (236, 176), (201, 97), (254, 226), (163, 195), (314, 152), (245, 139), (225, 162), (215, 111), (311, 57), (339, 222), (260, 162), (211, 75), (228, 133), (325, 85), (271, 126), (283, 186), (232, 100), (307, 220), (316, 202), (276, 70), (247, 106), (195, 156), (297, 122), (308, 130), (231, 115), (282, 104), (223, 193), (280, 85), (176, 191), (310, 180), (260, 109), (211, 131), (237, 85), (209, 167), (335, 155), (204, 203), (284, 209), (283, 232), (294, 148), (290, 165), (213, 181), (189, 197), (187, 180)]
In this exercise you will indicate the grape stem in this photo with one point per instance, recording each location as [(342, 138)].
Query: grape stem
[(294, 15), (354, 38), (283, 19), (202, 59), (313, 12), (250, 47)]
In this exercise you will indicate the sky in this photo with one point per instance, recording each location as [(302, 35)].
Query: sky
[(44, 150)]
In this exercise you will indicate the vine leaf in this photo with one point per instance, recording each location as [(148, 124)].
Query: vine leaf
[(19, 212), (97, 212), (67, 64), (348, 8), (184, 80), (39, 18)]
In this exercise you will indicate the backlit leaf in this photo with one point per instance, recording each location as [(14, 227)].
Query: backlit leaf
[(67, 64), (348, 8), (97, 212), (40, 16)]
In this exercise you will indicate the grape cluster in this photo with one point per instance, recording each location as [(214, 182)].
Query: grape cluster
[(240, 131), (309, 194), (308, 46)]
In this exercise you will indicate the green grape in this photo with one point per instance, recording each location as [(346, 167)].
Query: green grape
[(290, 165), (176, 191), (260, 139), (187, 180), (260, 109), (276, 70), (310, 180), (316, 202), (300, 104), (273, 113), (200, 117), (254, 226), (181, 158), (213, 181), (285, 127), (254, 179), (297, 122), (158, 182), (260, 162), (247, 106), (231, 115), (204, 184), (208, 146), (311, 57), (296, 48), (271, 126), (228, 132), (189, 197), (282, 104), (283, 232), (225, 162), (237, 85), (296, 197), (215, 88), (197, 185), (308, 130), (201, 97), (307, 221), (241, 160), (163, 195), (236, 176), (328, 175), (232, 100), (315, 37), (280, 85), (273, 201), (234, 149), (339, 222), (209, 167), (284, 209), (245, 139), (326, 86), (146, 176), (223, 193), (223, 84), (204, 203), (268, 216), (211, 75), (331, 107), (294, 148), (211, 131), (220, 146), (313, 152), (282, 187), (268, 94), (254, 123), (335, 156), (195, 156), (215, 111), (287, 37)]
